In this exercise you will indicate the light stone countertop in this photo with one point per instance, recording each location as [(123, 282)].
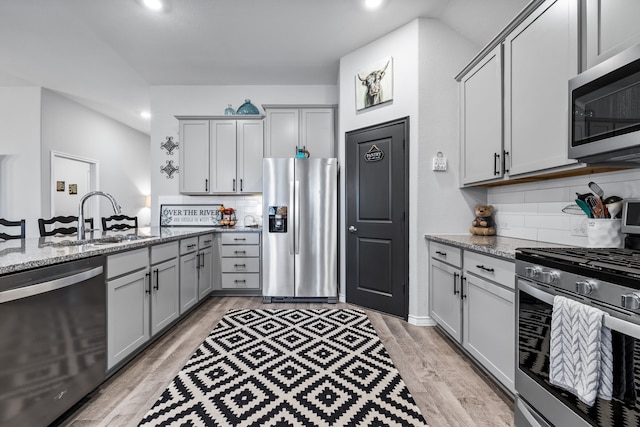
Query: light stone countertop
[(24, 254), (503, 247)]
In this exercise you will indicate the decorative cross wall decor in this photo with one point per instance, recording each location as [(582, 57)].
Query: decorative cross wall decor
[(170, 169), (169, 145)]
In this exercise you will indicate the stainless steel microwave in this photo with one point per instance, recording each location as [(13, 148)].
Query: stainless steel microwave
[(604, 118)]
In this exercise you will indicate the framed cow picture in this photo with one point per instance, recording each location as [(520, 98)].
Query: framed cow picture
[(374, 84)]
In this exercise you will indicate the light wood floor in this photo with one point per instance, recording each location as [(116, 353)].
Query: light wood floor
[(447, 387)]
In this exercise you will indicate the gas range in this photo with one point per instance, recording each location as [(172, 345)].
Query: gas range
[(605, 275)]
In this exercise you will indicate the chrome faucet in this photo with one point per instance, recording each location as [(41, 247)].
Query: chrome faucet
[(81, 226)]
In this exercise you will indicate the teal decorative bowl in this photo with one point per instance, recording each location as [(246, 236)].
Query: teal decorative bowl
[(247, 108)]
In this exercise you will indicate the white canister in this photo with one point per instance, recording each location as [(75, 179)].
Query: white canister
[(604, 233)]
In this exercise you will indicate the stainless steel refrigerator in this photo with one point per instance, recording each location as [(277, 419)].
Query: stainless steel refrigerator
[(300, 229)]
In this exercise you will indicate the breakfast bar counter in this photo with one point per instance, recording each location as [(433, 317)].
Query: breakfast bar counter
[(25, 254)]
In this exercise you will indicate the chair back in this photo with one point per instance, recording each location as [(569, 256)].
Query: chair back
[(7, 223), (71, 223), (119, 222)]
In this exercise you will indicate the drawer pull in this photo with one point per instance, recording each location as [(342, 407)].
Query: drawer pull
[(191, 246), (239, 281), (444, 254), (207, 242), (482, 267), (239, 265), (239, 252), (240, 238)]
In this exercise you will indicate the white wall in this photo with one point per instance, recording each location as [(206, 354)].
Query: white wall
[(19, 155), (534, 210), (122, 153), (170, 101), (426, 56)]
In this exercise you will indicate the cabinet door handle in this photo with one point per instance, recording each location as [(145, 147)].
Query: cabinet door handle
[(202, 260), (147, 278), (444, 254), (240, 184), (157, 274), (496, 156), (455, 289), (482, 267), (234, 185), (504, 161), (464, 279), (206, 184)]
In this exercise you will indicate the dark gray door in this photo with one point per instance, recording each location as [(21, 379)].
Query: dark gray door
[(377, 172)]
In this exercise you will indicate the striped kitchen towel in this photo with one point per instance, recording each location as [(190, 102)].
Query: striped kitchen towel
[(581, 355)]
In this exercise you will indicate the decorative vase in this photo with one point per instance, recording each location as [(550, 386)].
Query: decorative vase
[(247, 108), (229, 111)]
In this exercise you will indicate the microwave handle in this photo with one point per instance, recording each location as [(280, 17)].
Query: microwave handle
[(613, 323)]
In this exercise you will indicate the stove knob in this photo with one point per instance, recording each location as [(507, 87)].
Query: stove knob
[(585, 287), (532, 272), (631, 301), (549, 276)]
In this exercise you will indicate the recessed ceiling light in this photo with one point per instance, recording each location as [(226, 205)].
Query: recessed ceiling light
[(153, 4), (145, 115), (372, 4)]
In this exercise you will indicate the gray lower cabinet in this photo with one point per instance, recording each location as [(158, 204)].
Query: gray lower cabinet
[(196, 270), (128, 304), (165, 286), (142, 298), (240, 261), (472, 298)]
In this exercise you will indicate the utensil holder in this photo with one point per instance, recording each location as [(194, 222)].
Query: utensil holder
[(604, 233)]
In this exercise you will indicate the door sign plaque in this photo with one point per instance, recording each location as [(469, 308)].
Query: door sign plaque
[(374, 154)]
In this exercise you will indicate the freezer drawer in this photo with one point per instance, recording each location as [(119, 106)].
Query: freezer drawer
[(240, 281)]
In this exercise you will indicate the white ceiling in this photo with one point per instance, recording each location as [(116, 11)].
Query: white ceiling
[(106, 54)]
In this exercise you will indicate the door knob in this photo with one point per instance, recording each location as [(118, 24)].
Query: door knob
[(352, 229)]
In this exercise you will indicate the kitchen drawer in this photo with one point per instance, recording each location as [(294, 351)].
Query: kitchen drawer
[(445, 253), (240, 281), (240, 238), (127, 262), (241, 265), (164, 252), (205, 241), (498, 270), (188, 245), (240, 251)]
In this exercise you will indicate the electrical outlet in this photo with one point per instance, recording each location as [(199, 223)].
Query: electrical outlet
[(579, 226), (440, 164)]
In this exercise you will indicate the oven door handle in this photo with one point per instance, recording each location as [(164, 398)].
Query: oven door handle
[(51, 285), (613, 323)]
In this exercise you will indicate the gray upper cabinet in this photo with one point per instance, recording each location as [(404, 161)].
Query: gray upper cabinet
[(289, 127), (611, 26), (481, 120), (219, 155), (540, 56)]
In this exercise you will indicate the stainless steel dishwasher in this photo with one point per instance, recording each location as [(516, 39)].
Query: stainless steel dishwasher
[(52, 340)]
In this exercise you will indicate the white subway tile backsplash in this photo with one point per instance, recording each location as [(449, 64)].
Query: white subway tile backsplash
[(534, 210)]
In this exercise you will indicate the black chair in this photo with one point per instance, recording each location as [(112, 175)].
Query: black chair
[(119, 222), (7, 223), (72, 221)]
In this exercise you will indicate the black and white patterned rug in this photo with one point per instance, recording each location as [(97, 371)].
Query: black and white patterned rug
[(302, 367)]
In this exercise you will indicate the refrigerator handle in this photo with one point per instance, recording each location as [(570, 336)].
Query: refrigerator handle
[(296, 216), (291, 227)]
